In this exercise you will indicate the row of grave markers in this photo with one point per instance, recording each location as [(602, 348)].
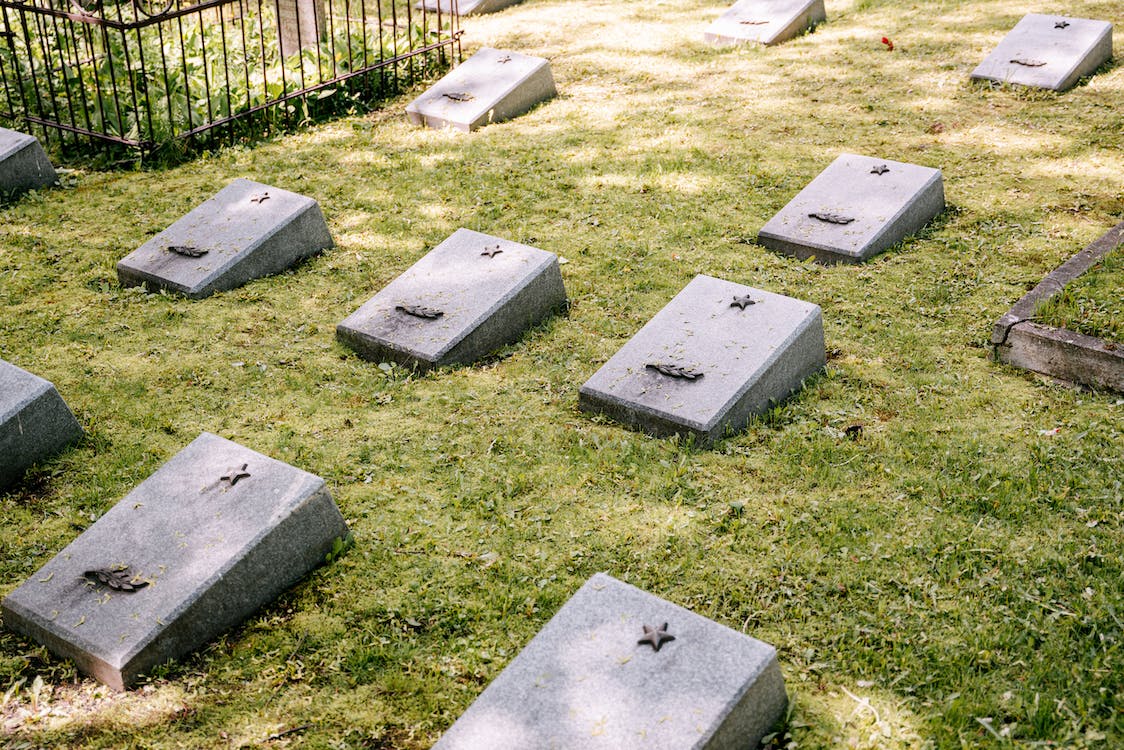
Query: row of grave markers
[(220, 530)]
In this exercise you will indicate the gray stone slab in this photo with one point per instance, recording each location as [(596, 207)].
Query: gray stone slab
[(23, 164), (585, 683), (35, 423), (1049, 52), (246, 231), (479, 293), (491, 86), (467, 7), (765, 22), (856, 208), (1056, 352), (211, 550), (735, 362)]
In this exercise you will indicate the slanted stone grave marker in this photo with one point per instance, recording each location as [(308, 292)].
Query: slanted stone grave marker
[(715, 356), (620, 669), (23, 164), (246, 231), (214, 534), (856, 208), (491, 86), (35, 423), (1048, 52), (466, 7), (468, 296), (765, 22)]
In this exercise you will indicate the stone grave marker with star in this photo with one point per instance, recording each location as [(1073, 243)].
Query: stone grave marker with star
[(23, 164), (246, 231), (715, 356), (619, 668), (213, 535), (765, 22), (35, 422), (856, 208), (1048, 52), (491, 86), (465, 298)]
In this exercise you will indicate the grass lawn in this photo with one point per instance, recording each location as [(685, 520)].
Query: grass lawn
[(950, 579), (1092, 304)]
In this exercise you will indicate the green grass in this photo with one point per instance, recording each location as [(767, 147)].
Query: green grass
[(1092, 304), (955, 572)]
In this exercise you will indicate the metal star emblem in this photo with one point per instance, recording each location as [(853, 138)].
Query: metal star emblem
[(743, 302), (880, 169), (259, 198), (655, 637), (234, 475), (492, 251), (1061, 25)]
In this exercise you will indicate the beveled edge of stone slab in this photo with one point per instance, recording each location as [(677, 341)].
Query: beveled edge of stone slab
[(724, 31), (248, 578), (1059, 353), (23, 164), (290, 238), (467, 7), (43, 401), (804, 344), (517, 97), (535, 297), (917, 209), (611, 605), (1085, 62)]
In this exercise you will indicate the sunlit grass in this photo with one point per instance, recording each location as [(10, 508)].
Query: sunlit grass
[(952, 573)]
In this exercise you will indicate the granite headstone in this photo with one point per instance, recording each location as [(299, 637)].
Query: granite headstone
[(856, 208), (765, 22), (23, 164), (715, 356), (215, 533), (35, 422), (466, 7), (491, 86), (468, 296), (620, 669), (1049, 52), (246, 231)]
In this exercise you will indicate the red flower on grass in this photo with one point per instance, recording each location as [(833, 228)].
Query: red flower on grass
[(888, 43)]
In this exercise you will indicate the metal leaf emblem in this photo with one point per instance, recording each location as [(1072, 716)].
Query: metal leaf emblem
[(459, 96), (418, 311), (832, 218), (119, 579), (187, 251), (1028, 62), (681, 372), (753, 23), (504, 59), (259, 198)]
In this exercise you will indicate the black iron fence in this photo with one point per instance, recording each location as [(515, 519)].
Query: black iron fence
[(141, 74)]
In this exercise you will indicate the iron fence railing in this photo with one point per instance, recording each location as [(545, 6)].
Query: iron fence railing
[(141, 74)]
